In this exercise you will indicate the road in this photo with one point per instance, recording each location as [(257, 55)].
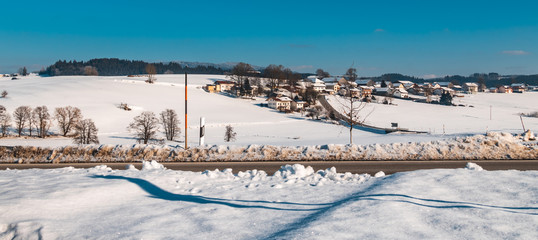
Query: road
[(370, 167)]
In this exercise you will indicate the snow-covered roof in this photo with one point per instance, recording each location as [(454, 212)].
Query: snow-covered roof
[(381, 89), (224, 82), (366, 87), (363, 82), (328, 80), (470, 84), (280, 99), (443, 84), (405, 82), (518, 84), (400, 90)]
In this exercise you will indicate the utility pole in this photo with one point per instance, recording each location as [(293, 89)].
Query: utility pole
[(186, 146)]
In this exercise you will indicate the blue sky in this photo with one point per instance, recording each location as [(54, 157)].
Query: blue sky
[(419, 38)]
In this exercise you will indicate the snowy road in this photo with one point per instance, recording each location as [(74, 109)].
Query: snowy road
[(370, 167)]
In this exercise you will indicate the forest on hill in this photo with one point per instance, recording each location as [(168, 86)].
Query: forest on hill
[(118, 67)]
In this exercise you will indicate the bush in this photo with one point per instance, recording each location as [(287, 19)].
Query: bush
[(532, 114)]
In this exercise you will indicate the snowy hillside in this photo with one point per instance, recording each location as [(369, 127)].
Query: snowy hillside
[(99, 97), (294, 203)]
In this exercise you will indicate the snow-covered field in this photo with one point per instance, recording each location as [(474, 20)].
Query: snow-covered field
[(295, 203), (99, 97), (472, 118)]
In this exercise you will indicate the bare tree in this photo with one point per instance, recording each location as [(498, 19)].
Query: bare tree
[(241, 72), (23, 71), (90, 71), (170, 122), (322, 74), (42, 116), (274, 74), (85, 132), (294, 79), (144, 126), (310, 96), (32, 123), (67, 117), (315, 112), (229, 135), (21, 115), (4, 94), (150, 69), (353, 107), (5, 121)]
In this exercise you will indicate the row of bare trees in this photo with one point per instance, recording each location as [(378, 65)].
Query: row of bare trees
[(244, 73), (146, 125), (39, 121)]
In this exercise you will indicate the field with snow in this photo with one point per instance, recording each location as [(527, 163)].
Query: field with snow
[(294, 203), (99, 97)]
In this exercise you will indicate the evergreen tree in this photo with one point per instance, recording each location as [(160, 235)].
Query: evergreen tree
[(446, 98)]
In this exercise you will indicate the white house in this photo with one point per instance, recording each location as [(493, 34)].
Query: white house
[(280, 103), (318, 85), (470, 87), (399, 93), (299, 105)]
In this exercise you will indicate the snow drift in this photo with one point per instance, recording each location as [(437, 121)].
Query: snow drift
[(490, 146)]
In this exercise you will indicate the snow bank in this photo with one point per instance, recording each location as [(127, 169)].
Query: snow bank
[(490, 146), (473, 167), (294, 203), (291, 174), (151, 165)]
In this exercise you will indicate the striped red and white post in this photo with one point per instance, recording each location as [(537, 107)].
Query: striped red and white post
[(186, 146)]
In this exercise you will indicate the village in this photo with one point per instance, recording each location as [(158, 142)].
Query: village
[(297, 96)]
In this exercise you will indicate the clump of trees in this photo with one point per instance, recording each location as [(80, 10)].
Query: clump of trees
[(23, 71), (241, 74), (117, 67), (39, 119), (322, 74), (146, 126), (278, 74)]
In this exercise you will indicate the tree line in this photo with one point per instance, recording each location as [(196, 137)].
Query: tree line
[(117, 67)]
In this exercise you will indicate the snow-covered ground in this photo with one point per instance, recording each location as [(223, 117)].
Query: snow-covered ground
[(99, 97), (295, 203), (472, 118)]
